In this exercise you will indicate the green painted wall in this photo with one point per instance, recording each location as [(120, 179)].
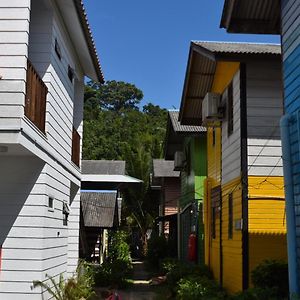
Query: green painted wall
[(192, 188), (192, 178)]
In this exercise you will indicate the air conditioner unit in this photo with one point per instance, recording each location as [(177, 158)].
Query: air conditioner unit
[(178, 161), (211, 115)]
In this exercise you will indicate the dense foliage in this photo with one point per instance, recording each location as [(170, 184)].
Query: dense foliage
[(189, 281), (117, 128), (114, 271), (272, 274)]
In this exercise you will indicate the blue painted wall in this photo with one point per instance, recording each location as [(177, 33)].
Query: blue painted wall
[(291, 75)]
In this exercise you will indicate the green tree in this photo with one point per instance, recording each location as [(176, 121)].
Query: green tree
[(113, 95), (115, 128)]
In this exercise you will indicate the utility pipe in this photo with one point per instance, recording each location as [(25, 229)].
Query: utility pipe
[(290, 208)]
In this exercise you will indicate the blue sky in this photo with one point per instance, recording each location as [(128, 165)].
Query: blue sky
[(147, 42)]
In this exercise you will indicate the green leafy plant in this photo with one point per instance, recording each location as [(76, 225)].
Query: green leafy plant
[(272, 274), (80, 286), (183, 270), (196, 287), (117, 267)]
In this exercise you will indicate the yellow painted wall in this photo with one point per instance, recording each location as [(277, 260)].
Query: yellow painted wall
[(232, 248), (267, 223), (223, 76)]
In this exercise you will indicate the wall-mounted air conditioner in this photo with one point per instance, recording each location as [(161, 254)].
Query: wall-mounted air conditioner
[(178, 161), (211, 114)]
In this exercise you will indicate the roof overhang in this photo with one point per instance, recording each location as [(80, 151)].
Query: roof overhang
[(75, 19), (107, 182), (174, 139), (199, 78), (251, 16)]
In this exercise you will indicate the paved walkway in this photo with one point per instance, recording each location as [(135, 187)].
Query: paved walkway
[(141, 289)]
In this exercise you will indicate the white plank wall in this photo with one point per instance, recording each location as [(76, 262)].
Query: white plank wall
[(14, 30), (264, 110), (231, 145), (35, 241)]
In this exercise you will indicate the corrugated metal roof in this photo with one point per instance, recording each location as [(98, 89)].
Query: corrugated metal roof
[(89, 37), (99, 209), (239, 48), (251, 16), (177, 127), (164, 168), (103, 167)]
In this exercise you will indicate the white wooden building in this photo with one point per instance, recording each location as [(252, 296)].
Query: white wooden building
[(46, 49)]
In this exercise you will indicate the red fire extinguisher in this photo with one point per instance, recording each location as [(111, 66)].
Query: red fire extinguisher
[(192, 248)]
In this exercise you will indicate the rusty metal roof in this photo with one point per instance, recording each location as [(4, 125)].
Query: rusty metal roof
[(89, 37), (99, 209), (251, 16), (202, 62)]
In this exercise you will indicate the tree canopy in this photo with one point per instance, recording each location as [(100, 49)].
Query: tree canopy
[(117, 128)]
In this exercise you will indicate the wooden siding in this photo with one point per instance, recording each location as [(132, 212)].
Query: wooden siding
[(291, 61), (171, 189), (231, 145), (35, 241), (14, 23), (264, 110), (232, 248), (267, 224)]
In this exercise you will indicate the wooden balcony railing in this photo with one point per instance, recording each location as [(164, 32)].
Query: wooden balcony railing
[(35, 101), (75, 147)]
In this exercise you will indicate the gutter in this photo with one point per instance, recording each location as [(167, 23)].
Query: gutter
[(290, 209)]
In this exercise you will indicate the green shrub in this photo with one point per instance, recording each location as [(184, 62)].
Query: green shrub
[(196, 287), (184, 269), (168, 264), (256, 294), (272, 274), (118, 265), (157, 249)]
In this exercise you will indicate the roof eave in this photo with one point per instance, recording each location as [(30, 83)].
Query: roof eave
[(239, 24), (89, 38)]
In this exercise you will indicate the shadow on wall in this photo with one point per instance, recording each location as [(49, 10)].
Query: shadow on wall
[(18, 178)]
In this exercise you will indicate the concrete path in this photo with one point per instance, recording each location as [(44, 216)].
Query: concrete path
[(141, 289)]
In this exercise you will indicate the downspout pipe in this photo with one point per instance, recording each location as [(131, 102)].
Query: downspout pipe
[(290, 208)]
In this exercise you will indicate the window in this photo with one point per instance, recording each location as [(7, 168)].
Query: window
[(230, 216), (51, 204), (71, 73), (57, 49), (66, 212), (230, 109)]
